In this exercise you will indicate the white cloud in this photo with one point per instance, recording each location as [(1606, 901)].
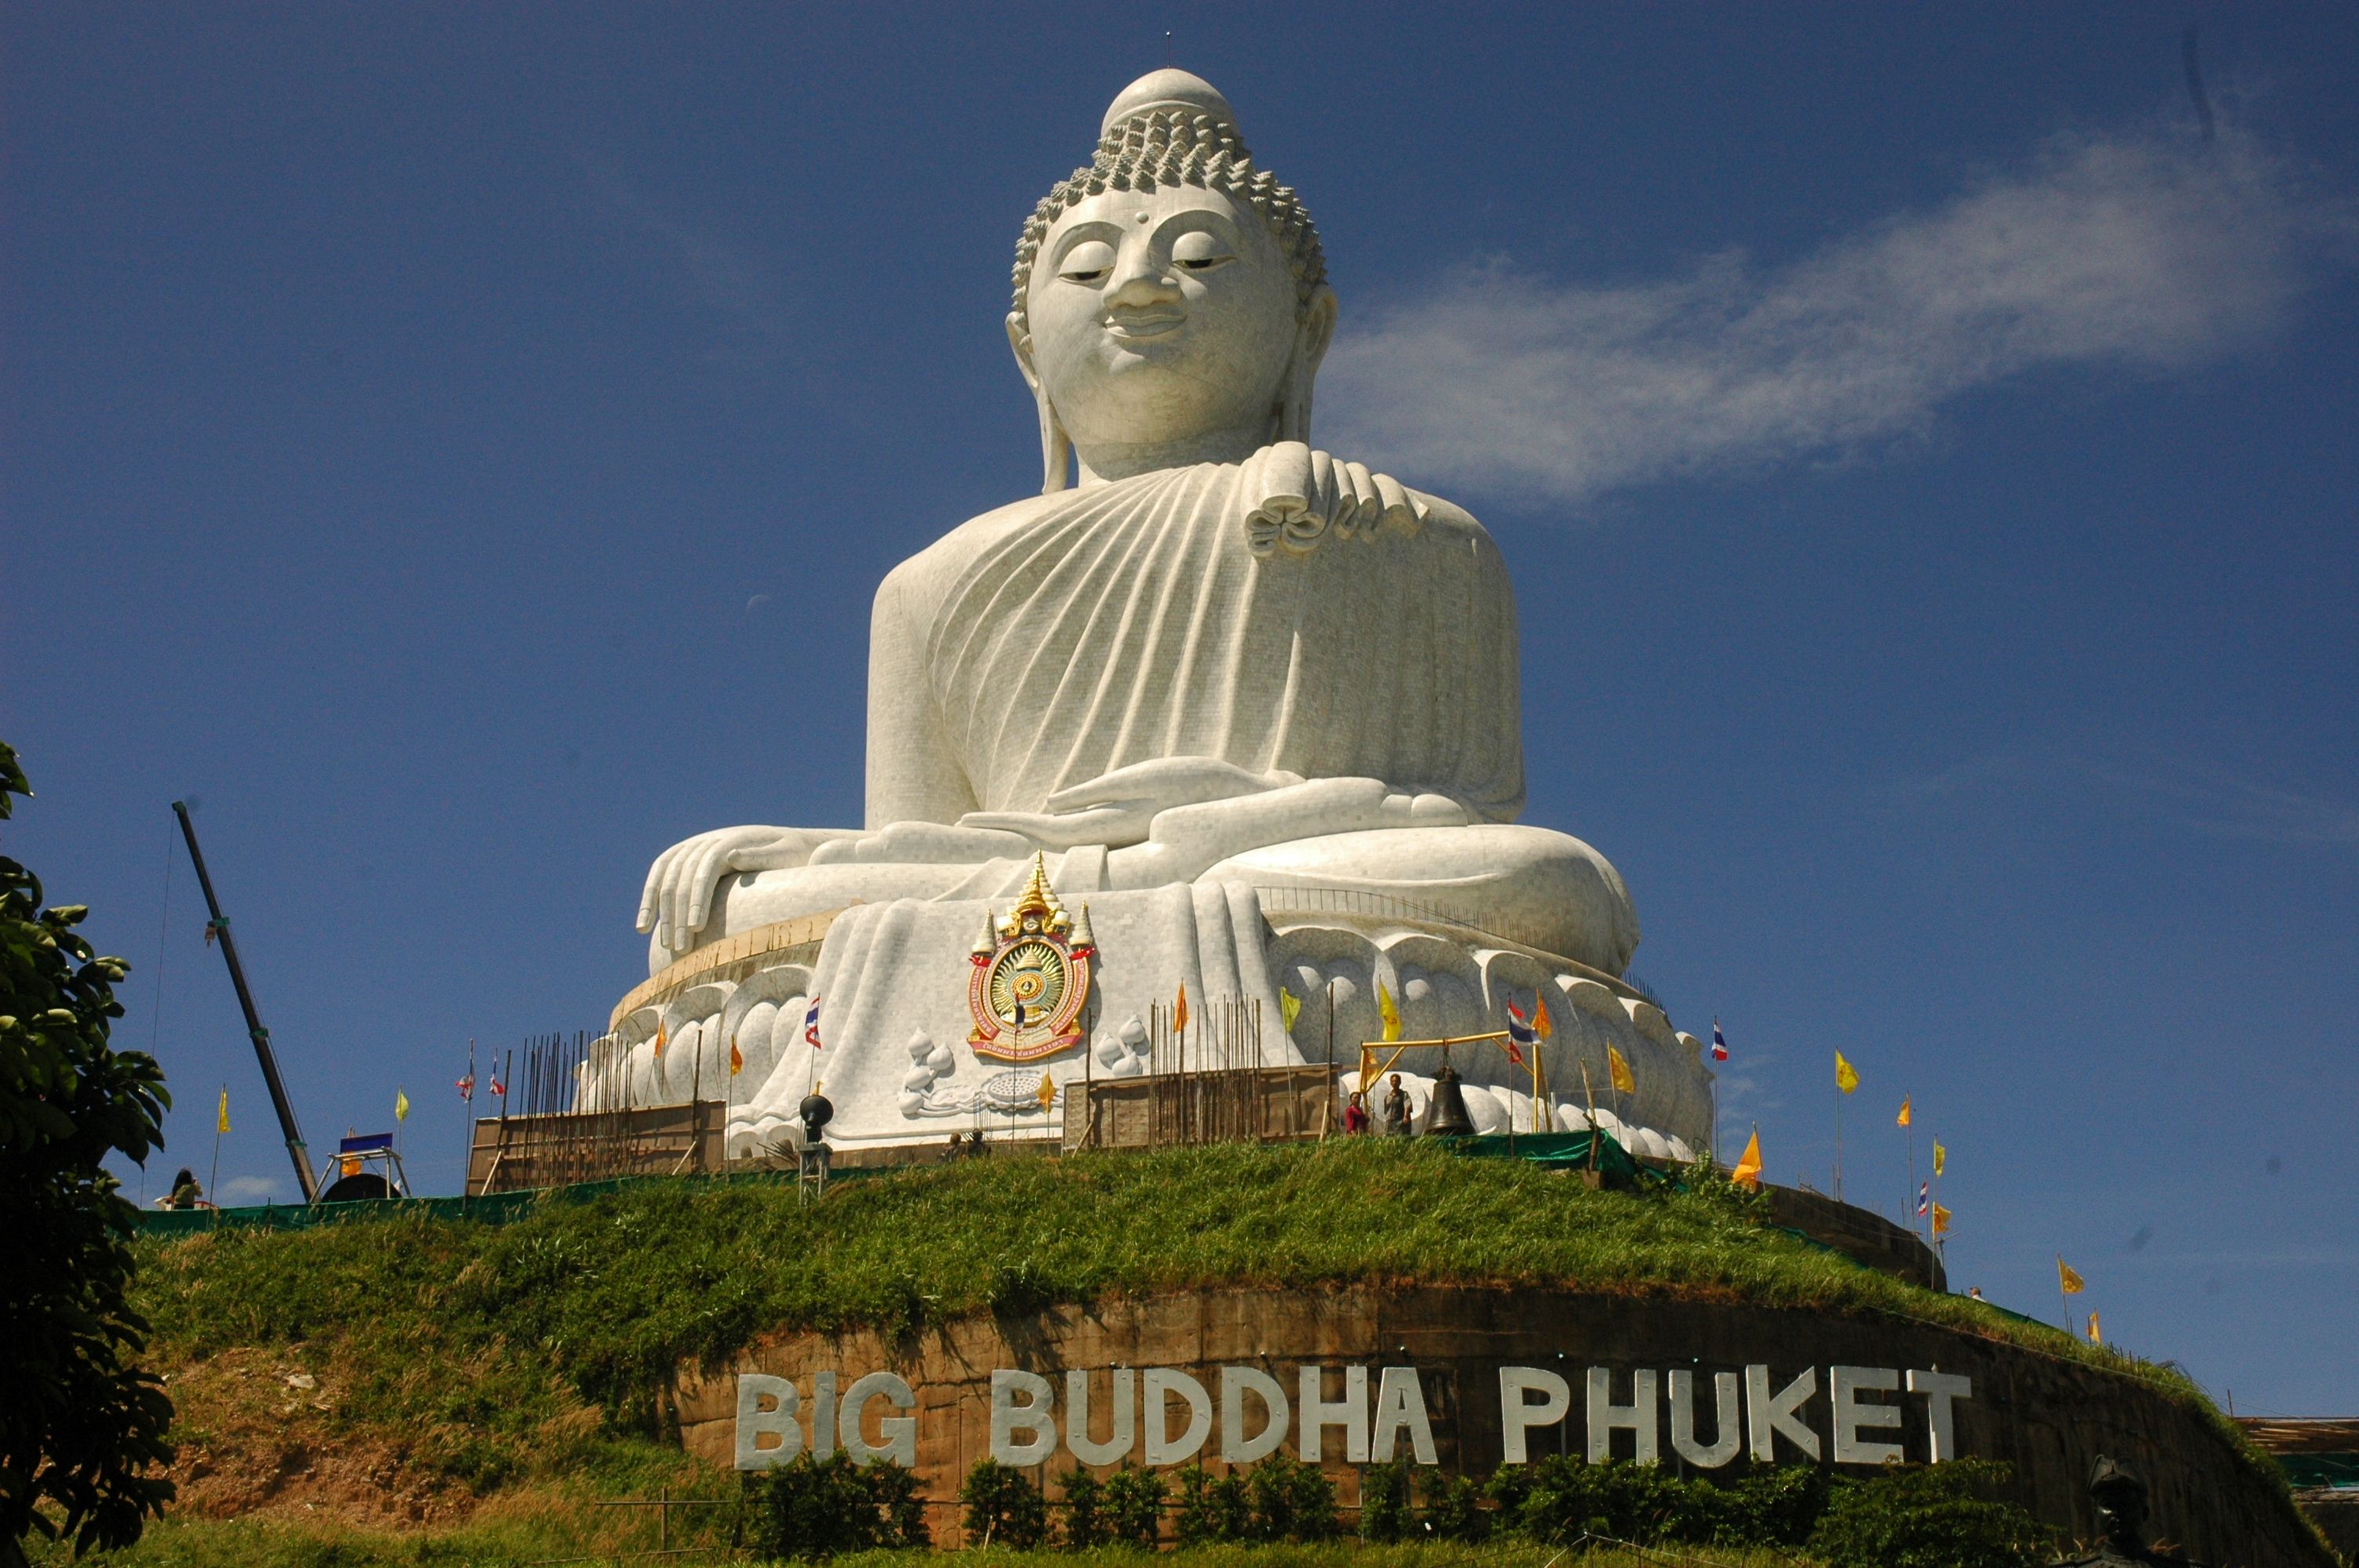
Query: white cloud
[(2137, 249), (240, 1190)]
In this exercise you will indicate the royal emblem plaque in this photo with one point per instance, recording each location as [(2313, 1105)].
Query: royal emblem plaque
[(1031, 976)]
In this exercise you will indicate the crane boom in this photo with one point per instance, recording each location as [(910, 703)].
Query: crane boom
[(261, 1036)]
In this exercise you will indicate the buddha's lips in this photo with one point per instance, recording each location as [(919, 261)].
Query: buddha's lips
[(1142, 327)]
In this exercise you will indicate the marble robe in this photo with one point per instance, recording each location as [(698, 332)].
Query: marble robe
[(1053, 642)]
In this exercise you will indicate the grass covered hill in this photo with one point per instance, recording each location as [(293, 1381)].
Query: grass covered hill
[(406, 1373)]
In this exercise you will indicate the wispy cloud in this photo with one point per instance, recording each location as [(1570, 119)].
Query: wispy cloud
[(2137, 249), (2219, 803), (724, 277)]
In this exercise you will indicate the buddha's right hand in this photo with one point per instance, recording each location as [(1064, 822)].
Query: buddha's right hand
[(678, 899)]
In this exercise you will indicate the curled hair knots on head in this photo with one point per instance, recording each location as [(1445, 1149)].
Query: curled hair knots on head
[(1175, 146)]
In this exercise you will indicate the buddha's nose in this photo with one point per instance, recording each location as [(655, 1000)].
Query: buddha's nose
[(1139, 280)]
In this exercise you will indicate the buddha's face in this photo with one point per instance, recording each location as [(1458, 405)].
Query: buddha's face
[(1161, 317)]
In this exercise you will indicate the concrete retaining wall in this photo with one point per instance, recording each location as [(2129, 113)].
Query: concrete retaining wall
[(2048, 1416)]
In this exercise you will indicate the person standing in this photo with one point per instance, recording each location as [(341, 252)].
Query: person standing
[(1397, 1109), (1355, 1114)]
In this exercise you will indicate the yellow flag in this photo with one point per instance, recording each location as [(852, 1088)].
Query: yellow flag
[(1179, 1012), (220, 1122), (1940, 1221), (400, 1106), (2067, 1280), (736, 1057), (1904, 1112), (1388, 1011), (1846, 1079), (1940, 1158), (1047, 1095), (1748, 1165), (1290, 1008), (2096, 1335), (1620, 1070)]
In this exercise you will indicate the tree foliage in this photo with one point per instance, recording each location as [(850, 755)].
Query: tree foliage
[(1003, 1504), (81, 1428), (808, 1509), (1929, 1517)]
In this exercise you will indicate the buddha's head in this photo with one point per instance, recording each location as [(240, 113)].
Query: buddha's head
[(1171, 300)]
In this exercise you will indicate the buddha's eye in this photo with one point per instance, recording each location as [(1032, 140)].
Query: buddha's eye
[(1088, 262), (1199, 250)]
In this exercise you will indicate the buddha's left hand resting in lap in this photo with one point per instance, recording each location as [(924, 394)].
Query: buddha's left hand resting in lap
[(1205, 651)]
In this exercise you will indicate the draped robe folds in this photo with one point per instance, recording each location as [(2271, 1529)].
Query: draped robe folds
[(1129, 621), (1048, 644)]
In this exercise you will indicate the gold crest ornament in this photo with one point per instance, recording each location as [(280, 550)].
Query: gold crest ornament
[(1031, 976)]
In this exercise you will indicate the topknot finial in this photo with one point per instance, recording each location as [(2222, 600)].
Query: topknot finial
[(1169, 89)]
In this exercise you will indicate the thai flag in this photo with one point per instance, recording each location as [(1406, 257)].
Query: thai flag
[(1924, 1198), (498, 1087), (811, 1025), (1719, 1042), (1519, 1033), (467, 1086)]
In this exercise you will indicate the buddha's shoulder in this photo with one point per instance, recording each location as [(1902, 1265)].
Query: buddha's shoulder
[(929, 573)]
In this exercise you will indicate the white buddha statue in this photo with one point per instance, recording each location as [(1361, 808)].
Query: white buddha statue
[(1204, 652)]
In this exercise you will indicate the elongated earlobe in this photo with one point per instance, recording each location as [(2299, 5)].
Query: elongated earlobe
[(1311, 340), (1056, 447)]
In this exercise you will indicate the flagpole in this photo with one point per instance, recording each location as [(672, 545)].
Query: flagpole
[(1839, 1099), (467, 1126), (213, 1180), (1912, 1176), (1327, 1116)]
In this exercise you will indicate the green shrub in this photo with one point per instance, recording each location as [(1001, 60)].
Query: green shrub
[(1085, 1520), (1567, 1497), (1454, 1508), (899, 1505), (1928, 1516), (1772, 1507), (1003, 1504), (812, 1509), (1385, 1511), (1134, 1507), (1291, 1500), (1211, 1509), (1507, 1488)]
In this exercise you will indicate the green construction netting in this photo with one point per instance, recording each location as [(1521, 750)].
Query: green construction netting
[(1558, 1151)]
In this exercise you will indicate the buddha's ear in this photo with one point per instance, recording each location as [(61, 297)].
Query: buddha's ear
[(1312, 333), (1056, 447)]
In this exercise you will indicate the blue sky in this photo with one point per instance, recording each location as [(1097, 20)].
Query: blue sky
[(457, 444)]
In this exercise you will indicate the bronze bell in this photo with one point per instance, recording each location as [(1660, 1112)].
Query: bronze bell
[(1447, 1116)]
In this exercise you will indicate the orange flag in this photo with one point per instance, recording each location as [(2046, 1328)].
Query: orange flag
[(1179, 1013), (659, 1037), (1540, 1024), (1747, 1174), (1904, 1112), (736, 1057)]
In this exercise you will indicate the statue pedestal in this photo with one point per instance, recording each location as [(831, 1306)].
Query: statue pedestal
[(896, 1056)]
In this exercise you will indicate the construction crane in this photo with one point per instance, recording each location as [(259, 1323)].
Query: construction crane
[(261, 1036)]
